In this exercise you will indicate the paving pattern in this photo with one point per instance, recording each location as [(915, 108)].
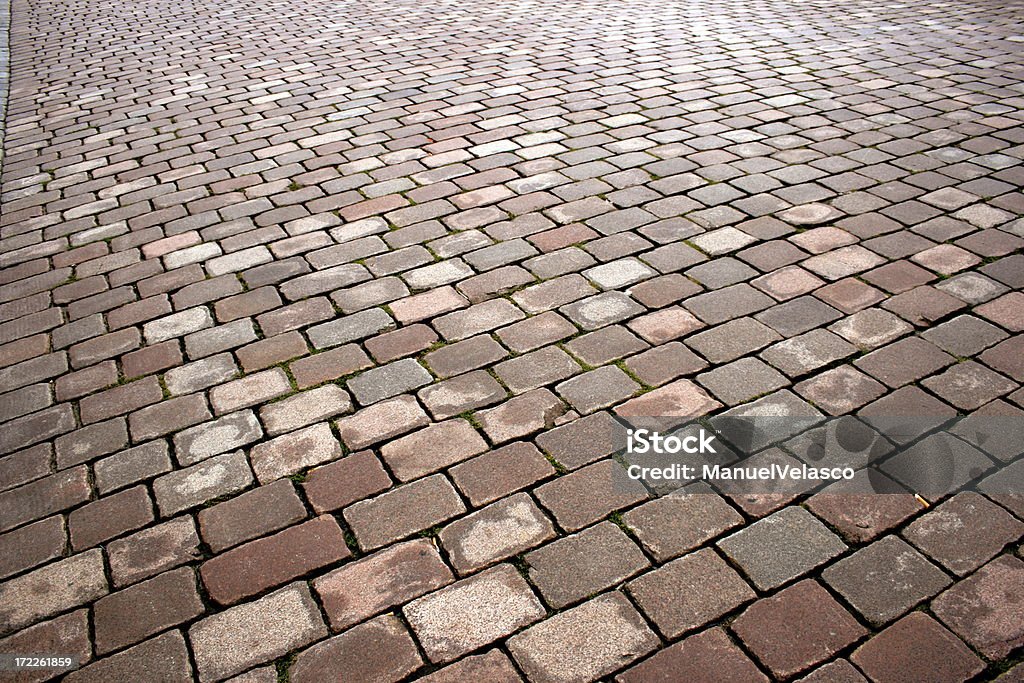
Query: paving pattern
[(308, 312)]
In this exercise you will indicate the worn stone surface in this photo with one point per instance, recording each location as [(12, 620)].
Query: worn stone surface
[(128, 616), (472, 613), (917, 646), (703, 658), (380, 581), (780, 547), (985, 609), (493, 665), (677, 523), (585, 642), (274, 560), (704, 586), (433, 448), (413, 267), (253, 633), (498, 531), (796, 628), (164, 657), (404, 510), (583, 564), (153, 550), (885, 579), (52, 589), (394, 654), (964, 532)]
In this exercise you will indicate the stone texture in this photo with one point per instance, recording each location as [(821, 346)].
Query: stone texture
[(589, 494), (293, 452), (917, 646), (520, 416), (253, 633), (380, 581), (337, 484), (885, 579), (677, 523), (162, 658), (432, 262), (219, 476), (501, 471), (153, 550), (267, 562), (583, 564), (431, 449), (964, 532), (52, 589), (584, 643), (494, 533), (492, 665), (796, 628), (703, 658), (678, 399), (68, 634), (252, 514), (704, 588), (455, 396), (305, 408), (128, 616), (109, 517), (394, 654), (403, 511), (781, 547), (985, 608), (382, 421), (472, 613), (213, 438)]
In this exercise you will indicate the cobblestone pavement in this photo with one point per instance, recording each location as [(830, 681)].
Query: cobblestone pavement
[(309, 311), (5, 27)]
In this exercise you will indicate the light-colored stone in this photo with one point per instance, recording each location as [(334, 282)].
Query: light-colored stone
[(722, 241), (810, 214), (238, 260), (177, 324), (255, 632), (619, 274), (380, 581), (305, 408), (249, 390), (54, 588), (294, 452), (219, 436), (382, 421), (195, 254), (200, 375), (218, 476), (472, 613), (431, 449), (584, 643), (499, 531)]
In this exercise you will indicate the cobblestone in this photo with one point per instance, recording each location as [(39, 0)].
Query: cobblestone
[(885, 579), (381, 581), (721, 591), (256, 632), (780, 547), (584, 643), (796, 628), (368, 312), (473, 612)]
